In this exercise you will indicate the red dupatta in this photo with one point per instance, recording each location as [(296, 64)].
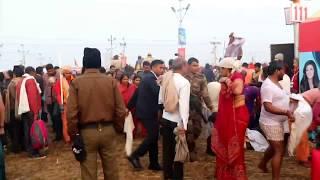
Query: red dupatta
[(225, 139), (127, 92)]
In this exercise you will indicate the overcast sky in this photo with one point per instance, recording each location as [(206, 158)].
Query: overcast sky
[(147, 26)]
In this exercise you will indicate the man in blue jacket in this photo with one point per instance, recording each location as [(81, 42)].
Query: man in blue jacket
[(147, 111)]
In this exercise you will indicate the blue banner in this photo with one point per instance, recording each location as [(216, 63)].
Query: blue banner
[(182, 36)]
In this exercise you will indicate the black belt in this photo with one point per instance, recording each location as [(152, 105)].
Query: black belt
[(167, 123), (96, 125)]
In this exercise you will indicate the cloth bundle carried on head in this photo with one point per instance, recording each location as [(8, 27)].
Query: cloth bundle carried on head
[(227, 63), (231, 63)]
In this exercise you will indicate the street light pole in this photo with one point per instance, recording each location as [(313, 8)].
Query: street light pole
[(109, 56), (214, 51), (180, 13), (123, 44), (23, 54), (111, 40)]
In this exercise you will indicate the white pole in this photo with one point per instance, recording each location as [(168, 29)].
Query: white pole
[(296, 34), (296, 39)]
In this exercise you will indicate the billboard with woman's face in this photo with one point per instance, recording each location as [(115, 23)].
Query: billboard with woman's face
[(309, 71), (309, 60)]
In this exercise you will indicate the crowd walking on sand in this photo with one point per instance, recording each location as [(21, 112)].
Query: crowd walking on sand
[(90, 108)]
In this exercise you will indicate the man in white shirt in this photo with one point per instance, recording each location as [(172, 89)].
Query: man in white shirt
[(178, 118), (286, 85), (274, 115)]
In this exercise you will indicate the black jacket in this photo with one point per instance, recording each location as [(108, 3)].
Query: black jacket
[(147, 98)]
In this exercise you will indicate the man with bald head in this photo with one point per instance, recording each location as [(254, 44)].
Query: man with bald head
[(177, 118)]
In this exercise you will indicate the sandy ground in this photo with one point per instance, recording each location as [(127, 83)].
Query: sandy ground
[(60, 165)]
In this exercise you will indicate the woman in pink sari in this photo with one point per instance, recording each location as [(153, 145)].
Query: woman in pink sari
[(228, 133)]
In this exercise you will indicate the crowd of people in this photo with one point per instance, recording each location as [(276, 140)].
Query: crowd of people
[(87, 109), (30, 94)]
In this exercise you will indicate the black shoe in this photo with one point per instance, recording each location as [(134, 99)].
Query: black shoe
[(135, 163), (156, 167)]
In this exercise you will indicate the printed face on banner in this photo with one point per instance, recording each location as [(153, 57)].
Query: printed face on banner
[(309, 71)]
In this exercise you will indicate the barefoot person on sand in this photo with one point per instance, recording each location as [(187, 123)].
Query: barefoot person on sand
[(274, 113)]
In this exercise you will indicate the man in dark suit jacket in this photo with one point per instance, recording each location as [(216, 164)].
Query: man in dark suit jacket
[(147, 111)]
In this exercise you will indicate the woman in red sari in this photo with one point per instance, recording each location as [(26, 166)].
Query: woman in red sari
[(139, 129), (127, 90), (228, 133)]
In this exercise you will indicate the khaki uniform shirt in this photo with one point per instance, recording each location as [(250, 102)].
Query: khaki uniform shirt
[(94, 97), (199, 87)]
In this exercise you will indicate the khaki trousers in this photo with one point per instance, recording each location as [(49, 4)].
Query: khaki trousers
[(102, 142)]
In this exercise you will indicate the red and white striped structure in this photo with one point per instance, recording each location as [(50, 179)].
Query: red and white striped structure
[(297, 13)]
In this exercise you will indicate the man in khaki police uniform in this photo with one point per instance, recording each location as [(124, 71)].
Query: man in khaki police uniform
[(94, 108)]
